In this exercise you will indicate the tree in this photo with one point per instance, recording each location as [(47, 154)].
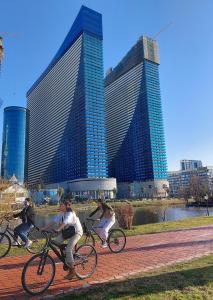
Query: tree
[(114, 192), (184, 192), (60, 193), (141, 191), (124, 215), (166, 189), (4, 184), (129, 190), (198, 189)]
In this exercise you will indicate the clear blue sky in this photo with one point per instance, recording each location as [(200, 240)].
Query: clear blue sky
[(33, 30)]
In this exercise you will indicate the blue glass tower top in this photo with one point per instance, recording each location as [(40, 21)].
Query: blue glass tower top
[(88, 21), (14, 142)]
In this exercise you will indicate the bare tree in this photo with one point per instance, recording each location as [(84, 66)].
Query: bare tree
[(198, 189), (184, 192), (60, 192), (124, 215), (166, 189), (4, 184)]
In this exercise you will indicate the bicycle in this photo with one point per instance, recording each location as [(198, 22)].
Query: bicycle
[(7, 237), (42, 266), (116, 240)]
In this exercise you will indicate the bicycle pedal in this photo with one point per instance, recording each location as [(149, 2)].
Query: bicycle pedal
[(65, 267)]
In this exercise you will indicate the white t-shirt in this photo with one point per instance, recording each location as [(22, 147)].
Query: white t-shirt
[(69, 218)]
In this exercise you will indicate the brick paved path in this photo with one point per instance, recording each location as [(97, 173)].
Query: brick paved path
[(142, 253)]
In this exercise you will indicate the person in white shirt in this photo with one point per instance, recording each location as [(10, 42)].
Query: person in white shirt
[(107, 220), (66, 218)]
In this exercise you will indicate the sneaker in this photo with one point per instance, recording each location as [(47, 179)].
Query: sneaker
[(104, 245), (14, 243), (28, 244), (71, 274)]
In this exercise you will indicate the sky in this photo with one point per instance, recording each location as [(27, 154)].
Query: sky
[(33, 31)]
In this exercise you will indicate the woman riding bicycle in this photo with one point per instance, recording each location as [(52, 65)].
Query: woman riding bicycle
[(27, 216), (107, 219), (69, 229)]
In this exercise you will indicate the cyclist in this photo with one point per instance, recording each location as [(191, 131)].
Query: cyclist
[(69, 229), (27, 216), (107, 219)]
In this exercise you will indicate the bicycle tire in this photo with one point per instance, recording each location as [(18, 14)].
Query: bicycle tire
[(114, 238), (40, 264), (38, 244), (85, 256), (7, 245)]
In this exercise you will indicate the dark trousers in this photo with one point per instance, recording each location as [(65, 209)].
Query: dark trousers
[(22, 231)]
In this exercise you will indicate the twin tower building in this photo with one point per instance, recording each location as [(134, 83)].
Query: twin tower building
[(94, 135)]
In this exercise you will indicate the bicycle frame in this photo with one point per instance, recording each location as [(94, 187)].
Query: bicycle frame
[(92, 231), (50, 244), (10, 233)]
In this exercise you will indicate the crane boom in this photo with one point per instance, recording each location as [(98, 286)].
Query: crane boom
[(162, 29)]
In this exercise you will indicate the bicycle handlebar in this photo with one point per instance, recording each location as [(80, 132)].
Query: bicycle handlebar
[(50, 231)]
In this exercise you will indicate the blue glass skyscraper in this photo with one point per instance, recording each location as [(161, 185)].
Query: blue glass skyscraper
[(67, 138), (135, 134), (14, 142)]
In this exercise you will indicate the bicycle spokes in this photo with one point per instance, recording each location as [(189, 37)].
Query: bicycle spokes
[(42, 264), (116, 240), (85, 261), (38, 274)]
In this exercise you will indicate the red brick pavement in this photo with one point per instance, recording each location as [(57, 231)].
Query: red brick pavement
[(142, 253)]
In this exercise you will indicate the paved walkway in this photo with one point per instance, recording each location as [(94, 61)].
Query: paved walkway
[(143, 253)]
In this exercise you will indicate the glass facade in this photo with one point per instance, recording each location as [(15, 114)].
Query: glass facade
[(67, 138), (189, 164), (14, 142), (135, 134), (182, 178)]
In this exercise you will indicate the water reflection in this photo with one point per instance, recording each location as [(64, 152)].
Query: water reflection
[(151, 214), (155, 214), (43, 219)]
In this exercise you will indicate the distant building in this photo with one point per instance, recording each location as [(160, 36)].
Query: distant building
[(14, 142), (135, 133), (67, 135), (15, 193), (179, 179), (187, 164)]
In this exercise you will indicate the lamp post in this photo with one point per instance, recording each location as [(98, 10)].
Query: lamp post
[(206, 197)]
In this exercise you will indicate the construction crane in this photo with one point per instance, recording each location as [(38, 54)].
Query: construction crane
[(1, 58), (1, 51), (162, 29)]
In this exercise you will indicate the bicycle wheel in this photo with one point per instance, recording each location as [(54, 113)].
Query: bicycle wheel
[(116, 240), (86, 239), (85, 261), (39, 241), (5, 244), (38, 274)]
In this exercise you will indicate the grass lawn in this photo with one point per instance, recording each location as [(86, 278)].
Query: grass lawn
[(185, 281), (170, 225)]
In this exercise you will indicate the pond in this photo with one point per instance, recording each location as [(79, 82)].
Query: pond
[(147, 215)]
